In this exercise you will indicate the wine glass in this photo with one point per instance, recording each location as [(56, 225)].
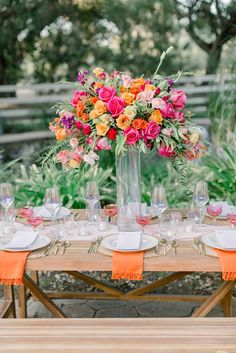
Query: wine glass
[(159, 201), (143, 220), (231, 217), (201, 197), (6, 196), (52, 201), (35, 221), (92, 197), (110, 211), (214, 210)]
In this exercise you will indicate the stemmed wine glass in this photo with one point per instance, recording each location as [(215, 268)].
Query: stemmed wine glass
[(143, 220), (92, 197), (35, 221), (159, 201), (6, 197), (214, 210), (201, 197), (231, 217), (110, 211), (52, 201)]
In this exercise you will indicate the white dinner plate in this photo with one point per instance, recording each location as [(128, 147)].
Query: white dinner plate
[(147, 242), (40, 242), (41, 211), (211, 241)]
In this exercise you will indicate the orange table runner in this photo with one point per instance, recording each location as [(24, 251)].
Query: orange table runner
[(12, 266), (127, 265), (228, 264)]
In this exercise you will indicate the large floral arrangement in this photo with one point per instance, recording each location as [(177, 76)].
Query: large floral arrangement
[(115, 111)]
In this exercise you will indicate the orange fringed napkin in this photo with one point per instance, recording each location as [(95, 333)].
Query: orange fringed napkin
[(228, 264), (12, 266), (127, 265)]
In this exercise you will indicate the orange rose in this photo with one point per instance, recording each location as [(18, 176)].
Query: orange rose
[(139, 124), (138, 82), (144, 124), (94, 114), (156, 116), (98, 85), (128, 97), (57, 120), (80, 108), (84, 117), (149, 87), (135, 90), (123, 89), (60, 133), (102, 129), (93, 100), (101, 107), (123, 121)]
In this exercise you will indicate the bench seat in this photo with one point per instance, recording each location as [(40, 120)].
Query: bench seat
[(151, 335)]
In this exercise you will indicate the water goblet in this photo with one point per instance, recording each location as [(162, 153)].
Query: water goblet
[(168, 226), (231, 217), (110, 211), (52, 202), (92, 197), (158, 201), (201, 197), (214, 211), (6, 196)]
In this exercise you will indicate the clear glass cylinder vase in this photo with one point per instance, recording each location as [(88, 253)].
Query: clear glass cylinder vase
[(128, 186)]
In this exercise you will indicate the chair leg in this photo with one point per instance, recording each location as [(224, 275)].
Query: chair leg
[(10, 308)]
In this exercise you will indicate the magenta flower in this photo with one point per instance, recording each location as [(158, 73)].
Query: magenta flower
[(166, 151), (103, 144), (106, 93), (152, 130), (131, 135), (178, 98), (116, 106)]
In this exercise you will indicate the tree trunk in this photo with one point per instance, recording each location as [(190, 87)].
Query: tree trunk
[(213, 60)]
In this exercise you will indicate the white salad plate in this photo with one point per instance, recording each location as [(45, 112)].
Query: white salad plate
[(41, 211), (146, 242), (40, 242), (211, 241)]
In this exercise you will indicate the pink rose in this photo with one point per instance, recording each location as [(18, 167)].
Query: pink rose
[(167, 131), (74, 142), (77, 97), (178, 98), (184, 130), (76, 156), (86, 129), (152, 130), (127, 81), (62, 156), (179, 116), (89, 141), (79, 124), (145, 97), (159, 103), (166, 151), (132, 135), (169, 111), (106, 93), (103, 144), (116, 106)]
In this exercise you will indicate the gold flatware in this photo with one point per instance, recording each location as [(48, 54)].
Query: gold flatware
[(58, 246), (66, 244), (174, 245), (49, 248), (92, 244), (96, 247)]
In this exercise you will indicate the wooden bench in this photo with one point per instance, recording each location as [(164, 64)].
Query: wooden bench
[(146, 335)]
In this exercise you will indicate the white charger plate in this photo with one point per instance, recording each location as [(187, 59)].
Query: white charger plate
[(40, 211), (40, 242), (147, 242), (211, 241)]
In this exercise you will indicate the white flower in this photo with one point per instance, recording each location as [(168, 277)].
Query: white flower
[(130, 111)]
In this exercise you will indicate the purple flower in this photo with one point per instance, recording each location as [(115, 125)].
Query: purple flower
[(67, 120), (170, 83), (81, 77)]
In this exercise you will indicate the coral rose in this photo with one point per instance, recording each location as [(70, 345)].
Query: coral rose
[(116, 106), (123, 122), (80, 108), (84, 117), (106, 93), (135, 90), (152, 130), (156, 116), (60, 133), (100, 107), (101, 129), (93, 100), (112, 133), (131, 135), (138, 82), (178, 98), (128, 97), (139, 124)]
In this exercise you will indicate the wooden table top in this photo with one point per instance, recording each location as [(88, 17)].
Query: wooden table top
[(140, 335), (76, 258)]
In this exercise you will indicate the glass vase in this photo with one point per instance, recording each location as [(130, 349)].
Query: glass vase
[(128, 188)]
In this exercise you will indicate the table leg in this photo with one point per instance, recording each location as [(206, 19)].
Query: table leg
[(227, 304), (42, 297), (22, 300), (215, 299), (9, 308)]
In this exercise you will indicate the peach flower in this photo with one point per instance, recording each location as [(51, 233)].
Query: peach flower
[(139, 124), (128, 97), (138, 82), (100, 107), (123, 121), (60, 133), (156, 116), (102, 129), (80, 108)]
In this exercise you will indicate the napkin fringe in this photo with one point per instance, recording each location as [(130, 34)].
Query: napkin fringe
[(11, 281), (129, 276), (229, 276)]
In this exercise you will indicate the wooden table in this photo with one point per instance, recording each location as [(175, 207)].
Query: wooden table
[(76, 260), (182, 335)]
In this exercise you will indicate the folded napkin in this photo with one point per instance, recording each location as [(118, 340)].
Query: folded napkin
[(12, 266), (22, 239), (128, 265), (41, 211), (226, 238)]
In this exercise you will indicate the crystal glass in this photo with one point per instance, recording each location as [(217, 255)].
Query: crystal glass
[(214, 211), (35, 221), (110, 211), (92, 197), (168, 226), (143, 220), (193, 213), (25, 212), (159, 201), (128, 189), (6, 196), (231, 217), (52, 201), (201, 197)]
